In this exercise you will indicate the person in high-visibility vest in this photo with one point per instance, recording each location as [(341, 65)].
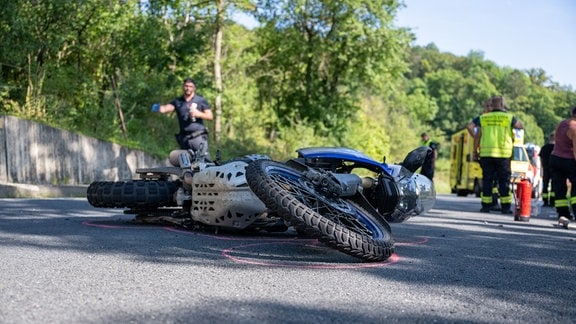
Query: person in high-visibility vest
[(563, 167), (494, 146), (472, 128)]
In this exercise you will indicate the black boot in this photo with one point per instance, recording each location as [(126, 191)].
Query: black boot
[(485, 208), (495, 207), (506, 209)]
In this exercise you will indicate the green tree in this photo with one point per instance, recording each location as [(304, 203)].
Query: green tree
[(319, 56)]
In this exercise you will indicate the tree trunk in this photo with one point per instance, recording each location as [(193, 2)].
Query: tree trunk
[(118, 106), (218, 71)]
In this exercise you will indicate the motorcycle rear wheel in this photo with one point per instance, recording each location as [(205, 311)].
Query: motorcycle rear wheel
[(132, 194), (340, 223)]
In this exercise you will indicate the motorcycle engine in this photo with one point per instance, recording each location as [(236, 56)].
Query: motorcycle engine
[(407, 195)]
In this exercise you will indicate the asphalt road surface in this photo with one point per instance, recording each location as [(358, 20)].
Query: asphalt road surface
[(63, 261)]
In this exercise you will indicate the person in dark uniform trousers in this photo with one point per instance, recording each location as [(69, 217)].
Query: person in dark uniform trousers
[(494, 146), (547, 195)]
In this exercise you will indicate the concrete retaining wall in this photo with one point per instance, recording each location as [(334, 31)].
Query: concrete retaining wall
[(33, 153)]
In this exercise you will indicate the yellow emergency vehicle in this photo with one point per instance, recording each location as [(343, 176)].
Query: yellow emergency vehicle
[(466, 174)]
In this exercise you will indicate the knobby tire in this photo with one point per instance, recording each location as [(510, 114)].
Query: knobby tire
[(132, 194), (339, 223)]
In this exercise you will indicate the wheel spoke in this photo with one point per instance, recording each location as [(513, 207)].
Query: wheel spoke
[(344, 215)]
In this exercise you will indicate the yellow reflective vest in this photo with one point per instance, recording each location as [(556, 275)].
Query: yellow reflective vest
[(497, 138)]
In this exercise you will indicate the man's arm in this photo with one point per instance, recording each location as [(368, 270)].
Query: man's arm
[(571, 133), (163, 108), (574, 146), (476, 146), (201, 109), (167, 108), (205, 115)]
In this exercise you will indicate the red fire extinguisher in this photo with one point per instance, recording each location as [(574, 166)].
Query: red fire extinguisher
[(523, 199)]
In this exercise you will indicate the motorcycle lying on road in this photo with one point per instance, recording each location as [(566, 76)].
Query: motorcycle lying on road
[(319, 193)]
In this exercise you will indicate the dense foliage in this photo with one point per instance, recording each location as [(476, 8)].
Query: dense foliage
[(315, 72)]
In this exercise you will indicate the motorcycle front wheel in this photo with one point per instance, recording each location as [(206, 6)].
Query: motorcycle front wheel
[(340, 223)]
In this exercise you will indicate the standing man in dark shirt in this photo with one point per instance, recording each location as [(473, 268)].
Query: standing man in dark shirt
[(547, 195), (191, 110), (430, 161)]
